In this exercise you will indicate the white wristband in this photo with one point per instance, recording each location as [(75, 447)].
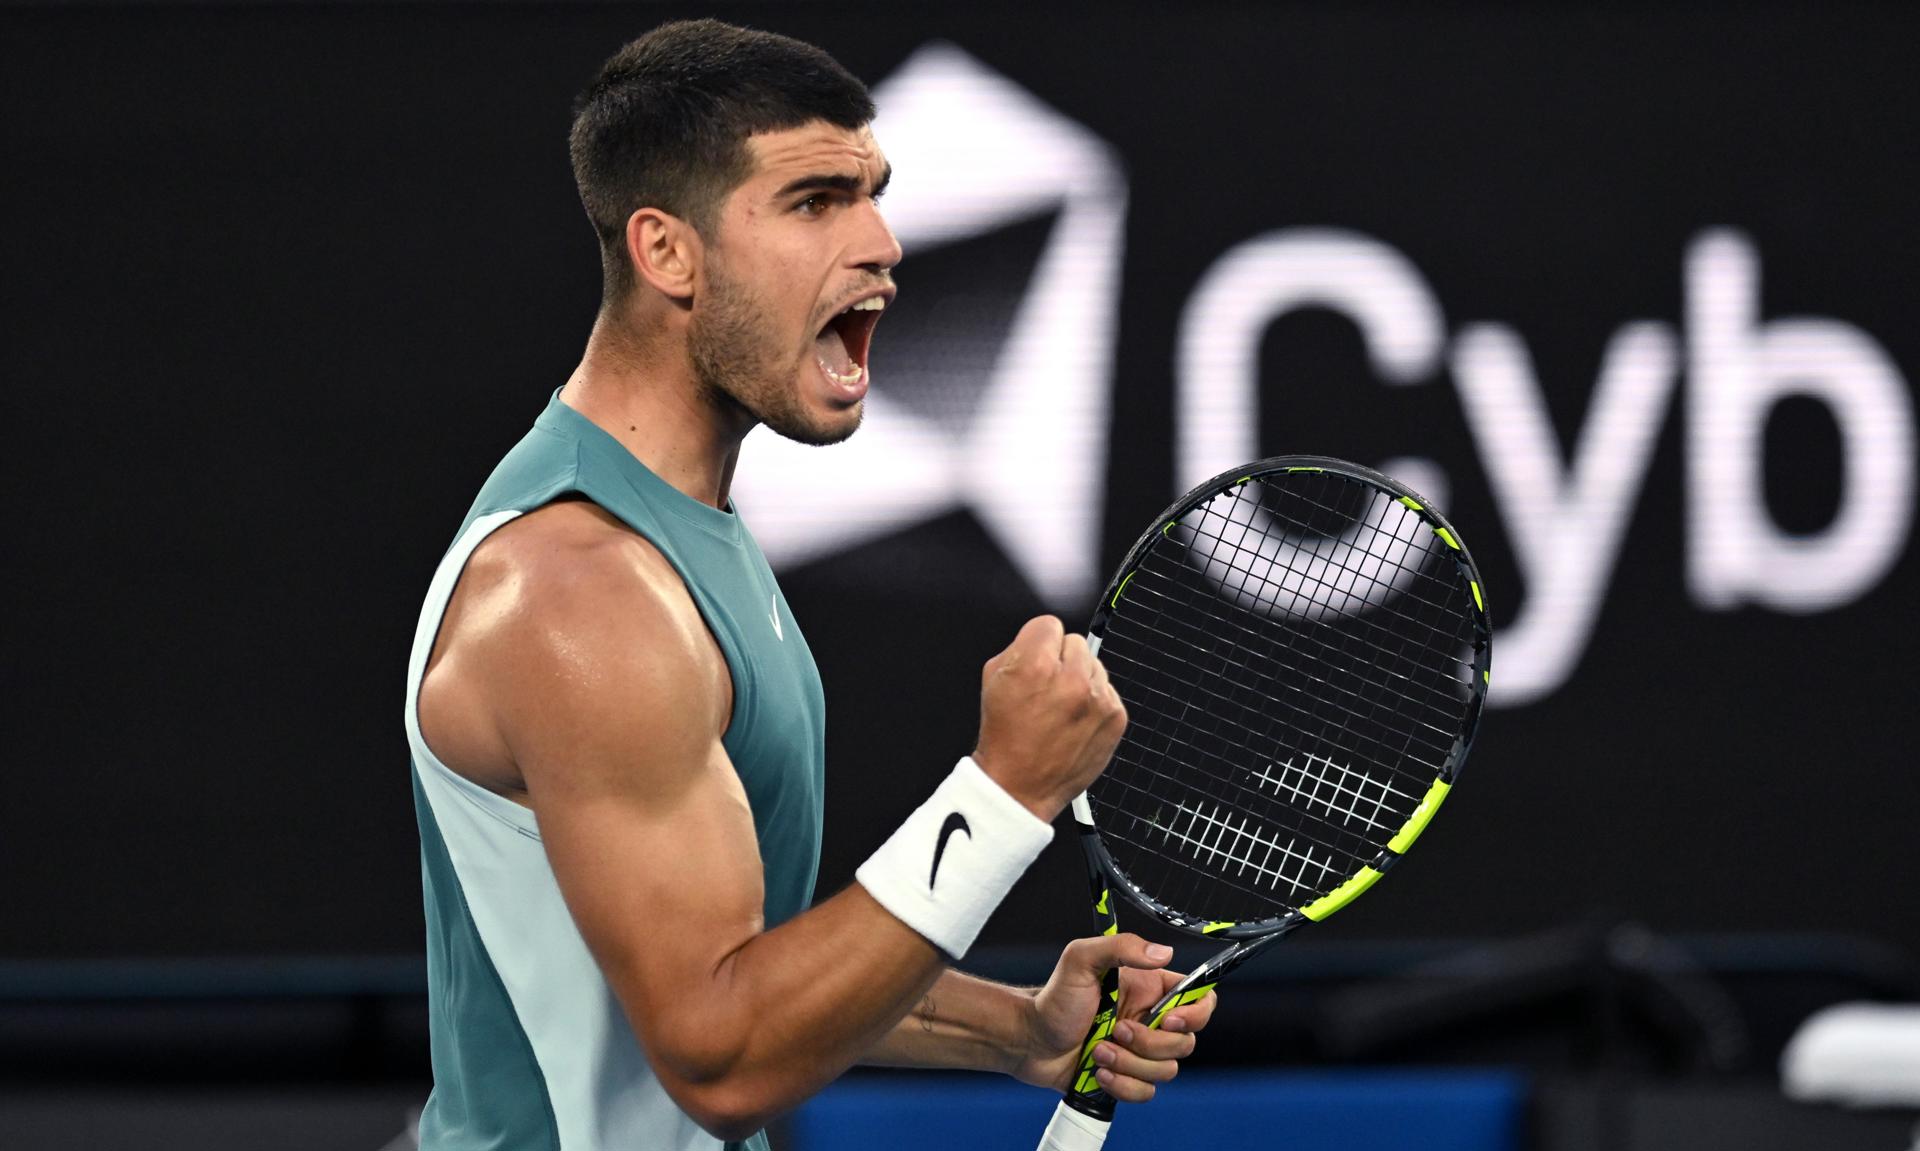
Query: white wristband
[(954, 859)]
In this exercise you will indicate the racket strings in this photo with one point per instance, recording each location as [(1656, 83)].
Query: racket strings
[(1325, 840), (1167, 648), (1401, 639), (1406, 525), (1251, 796), (1317, 691), (1219, 540), (1143, 801), (1324, 649), (1292, 659), (1158, 830), (1328, 554), (1234, 845), (1357, 797), (1222, 742)]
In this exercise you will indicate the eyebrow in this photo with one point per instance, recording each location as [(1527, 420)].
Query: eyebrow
[(833, 183)]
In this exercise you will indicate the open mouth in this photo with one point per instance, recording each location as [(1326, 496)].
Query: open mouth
[(841, 347)]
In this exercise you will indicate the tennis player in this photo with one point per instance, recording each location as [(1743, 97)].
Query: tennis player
[(617, 728)]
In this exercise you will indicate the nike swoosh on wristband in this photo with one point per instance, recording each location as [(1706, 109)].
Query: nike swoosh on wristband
[(954, 822)]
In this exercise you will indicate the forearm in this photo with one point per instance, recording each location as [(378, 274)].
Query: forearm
[(961, 1023), (786, 1012)]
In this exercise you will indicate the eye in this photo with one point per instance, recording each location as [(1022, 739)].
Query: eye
[(812, 206)]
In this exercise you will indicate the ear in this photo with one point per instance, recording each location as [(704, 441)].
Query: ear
[(665, 252)]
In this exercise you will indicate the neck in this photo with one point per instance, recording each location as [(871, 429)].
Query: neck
[(642, 391)]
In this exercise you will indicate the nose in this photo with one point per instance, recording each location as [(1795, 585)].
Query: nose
[(875, 248)]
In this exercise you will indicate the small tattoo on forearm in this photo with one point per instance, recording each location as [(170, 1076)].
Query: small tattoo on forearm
[(926, 1014)]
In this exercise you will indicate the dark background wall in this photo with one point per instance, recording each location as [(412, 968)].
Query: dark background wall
[(281, 283)]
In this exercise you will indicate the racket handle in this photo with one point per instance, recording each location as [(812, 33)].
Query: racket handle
[(1072, 1131)]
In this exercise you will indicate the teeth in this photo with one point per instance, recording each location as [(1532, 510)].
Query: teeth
[(871, 304), (852, 377)]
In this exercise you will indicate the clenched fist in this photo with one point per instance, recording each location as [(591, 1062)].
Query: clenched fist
[(1049, 719)]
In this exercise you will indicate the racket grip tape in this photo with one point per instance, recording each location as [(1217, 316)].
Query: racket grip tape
[(1085, 1089), (1084, 1095), (1072, 1131)]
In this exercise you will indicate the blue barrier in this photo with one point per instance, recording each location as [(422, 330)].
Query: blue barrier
[(1218, 1111)]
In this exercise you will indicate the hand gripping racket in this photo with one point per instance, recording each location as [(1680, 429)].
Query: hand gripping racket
[(1302, 645)]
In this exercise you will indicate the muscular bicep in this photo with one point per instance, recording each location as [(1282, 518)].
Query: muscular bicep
[(661, 873)]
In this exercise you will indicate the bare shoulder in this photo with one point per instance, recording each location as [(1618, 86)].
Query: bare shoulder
[(563, 619), (569, 555)]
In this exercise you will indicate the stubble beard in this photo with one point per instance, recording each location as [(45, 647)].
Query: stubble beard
[(738, 367)]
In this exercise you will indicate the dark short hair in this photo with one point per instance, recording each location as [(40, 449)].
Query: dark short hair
[(665, 123)]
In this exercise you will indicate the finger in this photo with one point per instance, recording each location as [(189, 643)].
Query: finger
[(1152, 986), (1101, 684), (1152, 1043), (1124, 1088), (1124, 1065), (1107, 698), (1141, 988), (1192, 1017), (1097, 953), (1076, 659), (1040, 636)]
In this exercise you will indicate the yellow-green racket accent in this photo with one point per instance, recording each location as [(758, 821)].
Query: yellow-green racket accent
[(1340, 896), (1422, 815), (1191, 995), (1085, 1082)]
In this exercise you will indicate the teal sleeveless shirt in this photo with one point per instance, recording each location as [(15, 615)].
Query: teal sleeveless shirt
[(530, 1047)]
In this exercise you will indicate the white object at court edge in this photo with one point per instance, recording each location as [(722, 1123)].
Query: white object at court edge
[(944, 877)]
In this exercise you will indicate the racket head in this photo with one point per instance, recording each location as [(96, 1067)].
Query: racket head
[(1304, 650)]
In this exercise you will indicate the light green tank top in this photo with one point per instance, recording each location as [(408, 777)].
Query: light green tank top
[(530, 1047)]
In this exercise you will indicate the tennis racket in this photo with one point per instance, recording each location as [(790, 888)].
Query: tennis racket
[(1302, 645)]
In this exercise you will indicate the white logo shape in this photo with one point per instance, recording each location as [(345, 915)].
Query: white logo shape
[(773, 613), (1268, 569), (975, 153)]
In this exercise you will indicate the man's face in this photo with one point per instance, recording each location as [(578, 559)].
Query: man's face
[(796, 272)]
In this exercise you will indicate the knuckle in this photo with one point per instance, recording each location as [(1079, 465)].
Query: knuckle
[(1043, 629)]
